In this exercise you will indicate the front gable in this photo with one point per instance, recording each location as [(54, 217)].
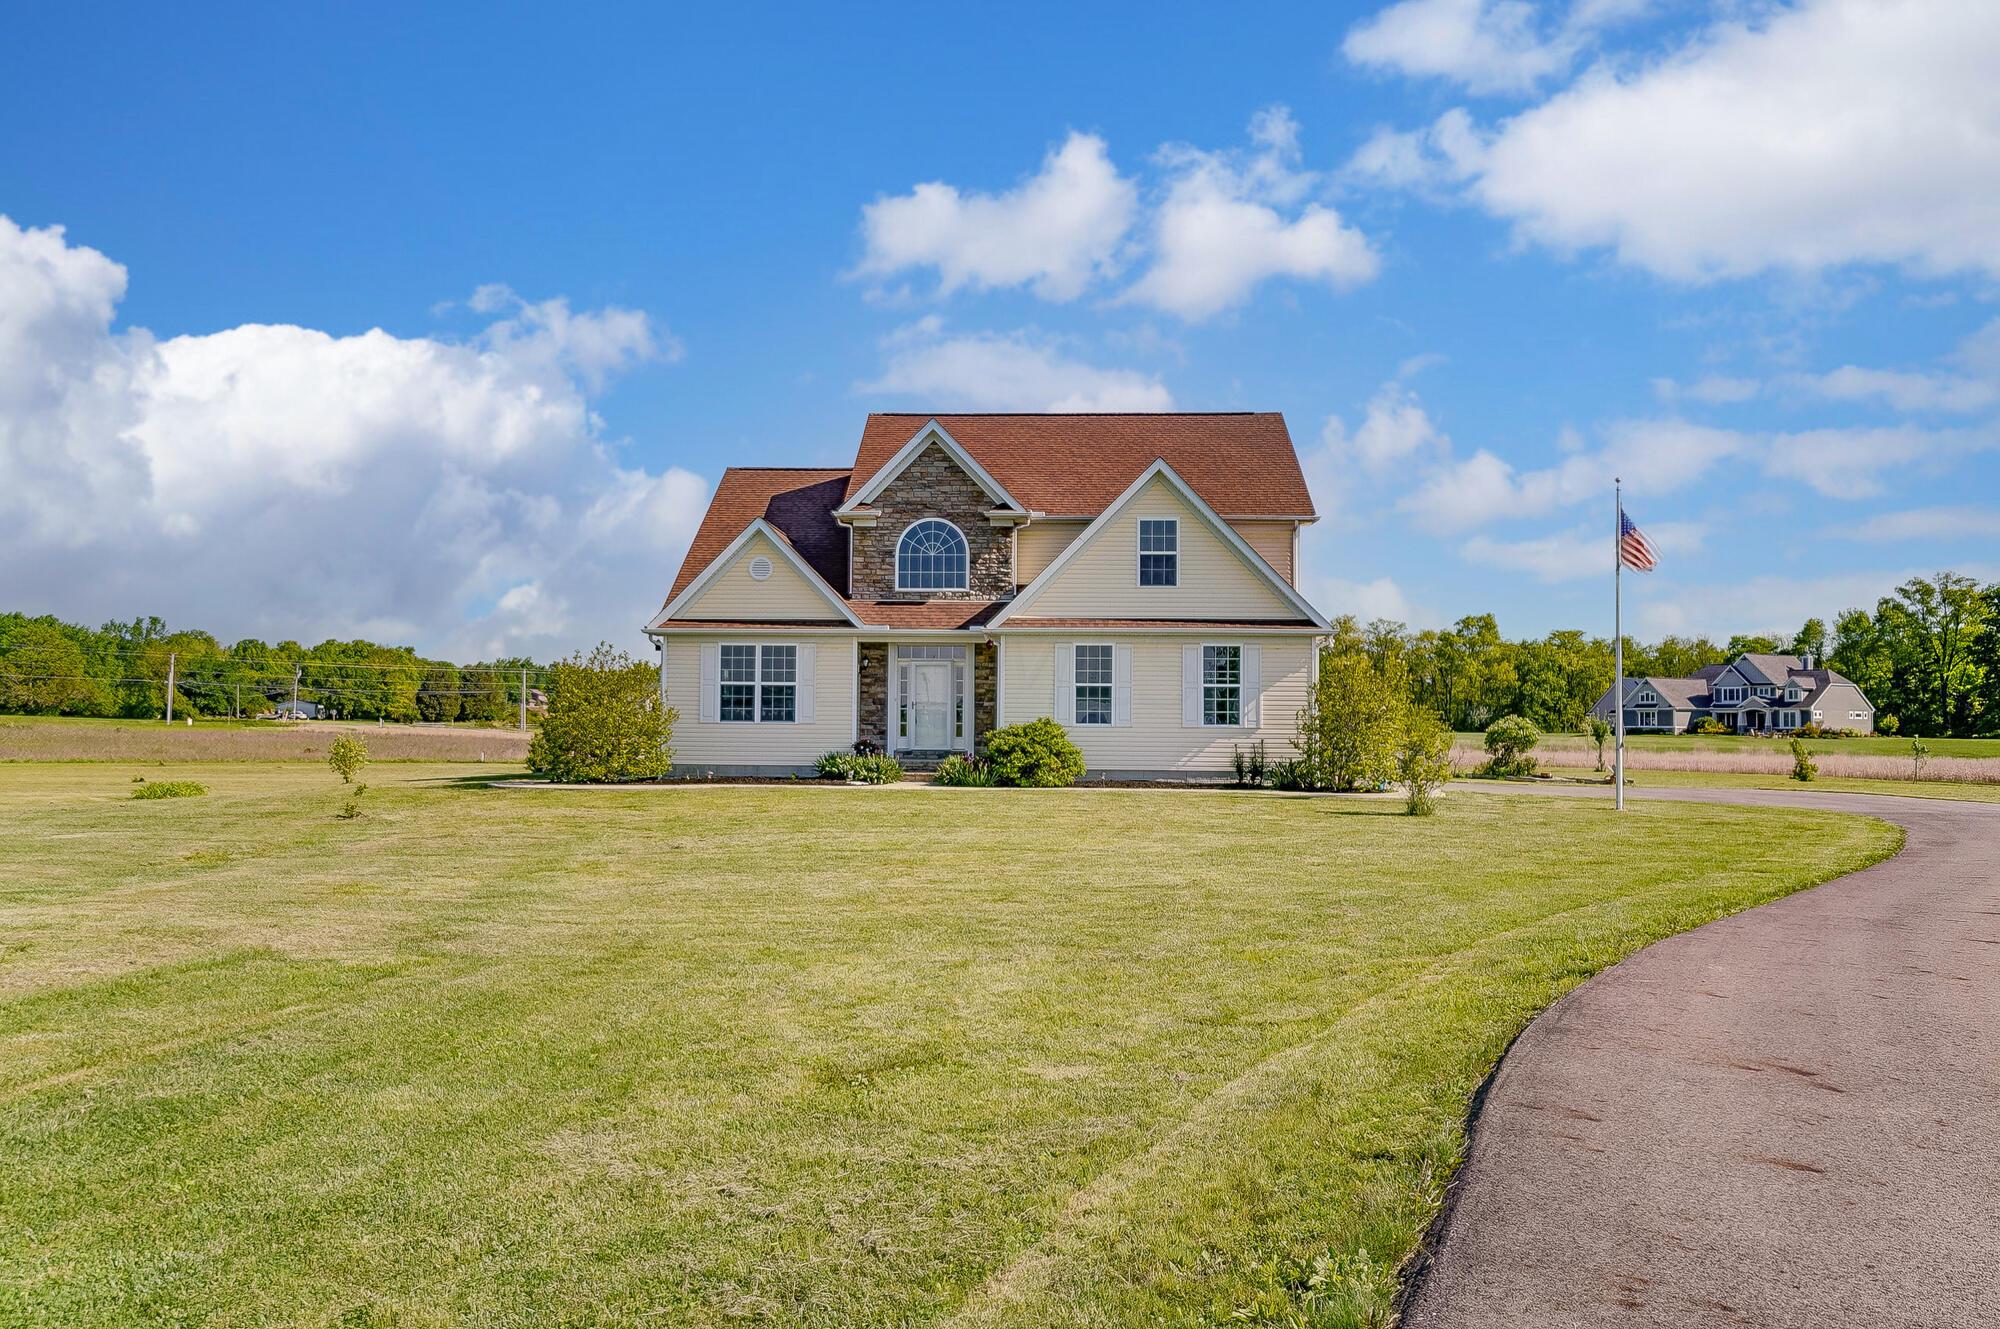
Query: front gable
[(1220, 577), (759, 578)]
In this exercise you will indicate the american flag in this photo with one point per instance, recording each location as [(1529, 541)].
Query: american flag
[(1633, 549)]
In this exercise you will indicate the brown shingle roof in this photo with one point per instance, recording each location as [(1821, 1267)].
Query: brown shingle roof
[(799, 501), (1191, 624), (1242, 464)]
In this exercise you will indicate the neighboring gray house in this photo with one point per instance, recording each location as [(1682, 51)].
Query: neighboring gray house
[(296, 710), (1752, 694)]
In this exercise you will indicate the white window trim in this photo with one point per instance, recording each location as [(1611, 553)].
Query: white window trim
[(757, 685), (1139, 552), (942, 521), (1204, 685), (1110, 702)]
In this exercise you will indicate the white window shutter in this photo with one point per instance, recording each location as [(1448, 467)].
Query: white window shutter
[(711, 684), (807, 677), (1253, 685), (1190, 687), (1065, 710), (1121, 685)]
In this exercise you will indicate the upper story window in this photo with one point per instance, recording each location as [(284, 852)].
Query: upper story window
[(931, 557), (1159, 551)]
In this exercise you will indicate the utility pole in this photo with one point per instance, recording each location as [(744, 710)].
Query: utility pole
[(237, 710), (295, 692), (170, 687), (1618, 637), (524, 701)]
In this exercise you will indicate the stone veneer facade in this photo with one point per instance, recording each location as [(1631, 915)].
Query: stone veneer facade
[(874, 692), (932, 486)]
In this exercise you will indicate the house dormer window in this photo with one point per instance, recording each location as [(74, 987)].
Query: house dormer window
[(931, 557)]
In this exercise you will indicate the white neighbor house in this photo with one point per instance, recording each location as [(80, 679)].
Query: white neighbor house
[(1132, 576)]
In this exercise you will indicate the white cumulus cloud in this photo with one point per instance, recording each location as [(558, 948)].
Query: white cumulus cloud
[(1578, 553), (1015, 371), (1055, 233), (279, 481), (1230, 221), (1489, 46)]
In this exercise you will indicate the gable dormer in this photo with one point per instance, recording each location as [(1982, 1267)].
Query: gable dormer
[(931, 525)]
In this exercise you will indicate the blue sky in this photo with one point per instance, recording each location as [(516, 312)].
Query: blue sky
[(434, 323)]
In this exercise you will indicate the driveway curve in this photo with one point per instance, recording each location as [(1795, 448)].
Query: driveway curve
[(1789, 1117)]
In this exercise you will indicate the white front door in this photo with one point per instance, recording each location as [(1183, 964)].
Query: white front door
[(930, 705)]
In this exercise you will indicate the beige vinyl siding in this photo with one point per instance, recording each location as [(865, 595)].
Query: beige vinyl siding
[(716, 744), (1036, 546), (1273, 542), (1102, 580), (735, 594), (1155, 740)]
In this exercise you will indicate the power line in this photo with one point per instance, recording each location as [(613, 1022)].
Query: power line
[(311, 662)]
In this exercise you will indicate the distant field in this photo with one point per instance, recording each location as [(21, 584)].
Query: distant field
[(46, 738), (1878, 745), (1962, 761)]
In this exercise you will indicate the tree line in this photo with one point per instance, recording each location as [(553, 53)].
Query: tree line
[(49, 667), (1928, 656)]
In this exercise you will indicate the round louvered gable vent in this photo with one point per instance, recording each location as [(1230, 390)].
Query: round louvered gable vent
[(760, 568)]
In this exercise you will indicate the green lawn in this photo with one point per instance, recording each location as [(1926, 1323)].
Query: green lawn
[(1953, 789), (785, 1056)]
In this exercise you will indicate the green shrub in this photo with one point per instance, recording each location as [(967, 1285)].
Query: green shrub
[(1510, 746), (169, 789), (1035, 755), (1423, 760), (963, 773), (1708, 724), (1291, 774), (1886, 724), (1803, 766), (1920, 753), (605, 722), (1600, 734), (859, 768)]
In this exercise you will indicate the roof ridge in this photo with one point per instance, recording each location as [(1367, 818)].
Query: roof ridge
[(831, 469)]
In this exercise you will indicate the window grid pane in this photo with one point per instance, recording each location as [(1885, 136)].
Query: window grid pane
[(1222, 685), (739, 701), (931, 556), (739, 664), (1093, 684), (781, 664), (779, 703)]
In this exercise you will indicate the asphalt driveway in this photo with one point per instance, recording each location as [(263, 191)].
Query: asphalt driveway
[(1790, 1117)]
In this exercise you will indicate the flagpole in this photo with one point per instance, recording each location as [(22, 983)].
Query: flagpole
[(1618, 636)]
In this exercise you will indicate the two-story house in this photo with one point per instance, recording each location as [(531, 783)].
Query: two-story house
[(1752, 694), (1133, 576)]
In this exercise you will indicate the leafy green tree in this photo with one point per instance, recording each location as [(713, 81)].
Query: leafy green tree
[(1600, 734), (1810, 639), (605, 722), (1937, 623), (438, 698), (1351, 723), (42, 671), (1804, 768), (347, 755)]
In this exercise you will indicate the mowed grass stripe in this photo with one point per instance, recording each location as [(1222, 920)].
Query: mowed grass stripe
[(796, 1057)]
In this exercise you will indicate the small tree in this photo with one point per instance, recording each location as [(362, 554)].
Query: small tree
[(605, 722), (1600, 734), (1885, 724), (1510, 746), (1351, 723), (1920, 755), (1423, 760), (347, 756), (1803, 766)]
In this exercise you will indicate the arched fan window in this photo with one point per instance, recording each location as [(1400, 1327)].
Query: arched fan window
[(931, 557)]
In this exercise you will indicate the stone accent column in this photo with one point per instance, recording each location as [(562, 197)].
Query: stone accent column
[(874, 690), (985, 692)]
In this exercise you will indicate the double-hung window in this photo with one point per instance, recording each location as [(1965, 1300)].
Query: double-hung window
[(1159, 551), (1222, 685), (760, 684), (1093, 684)]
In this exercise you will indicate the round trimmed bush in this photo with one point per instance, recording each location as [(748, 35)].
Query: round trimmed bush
[(1035, 755)]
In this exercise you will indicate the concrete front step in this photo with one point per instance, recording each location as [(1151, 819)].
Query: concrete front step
[(925, 761)]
